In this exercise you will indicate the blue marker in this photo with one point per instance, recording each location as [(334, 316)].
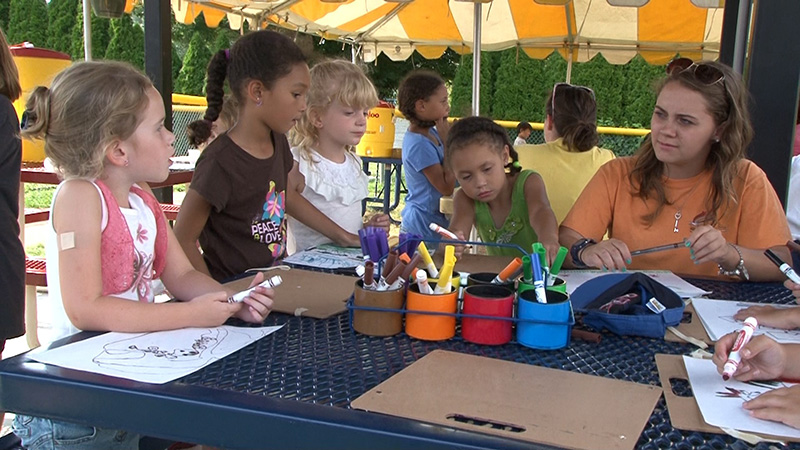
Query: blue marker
[(538, 280)]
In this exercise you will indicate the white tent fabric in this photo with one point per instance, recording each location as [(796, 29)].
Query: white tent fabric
[(578, 29)]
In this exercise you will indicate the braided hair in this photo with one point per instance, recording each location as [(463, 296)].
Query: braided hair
[(265, 56), (481, 131)]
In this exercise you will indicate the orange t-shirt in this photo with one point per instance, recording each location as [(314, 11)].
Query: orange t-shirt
[(608, 203)]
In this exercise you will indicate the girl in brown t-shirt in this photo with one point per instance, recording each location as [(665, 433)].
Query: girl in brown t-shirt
[(235, 206)]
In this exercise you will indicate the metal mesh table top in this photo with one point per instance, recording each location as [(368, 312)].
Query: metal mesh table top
[(325, 362)]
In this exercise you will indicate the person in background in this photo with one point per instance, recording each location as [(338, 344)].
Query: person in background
[(199, 133), (236, 203), (12, 255), (505, 205), (108, 241), (422, 98), (524, 130), (688, 184), (327, 184), (793, 199), (570, 157)]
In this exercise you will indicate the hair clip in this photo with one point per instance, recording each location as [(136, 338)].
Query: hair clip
[(516, 164), (24, 122)]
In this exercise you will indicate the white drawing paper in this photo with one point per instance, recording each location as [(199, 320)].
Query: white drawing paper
[(157, 357), (327, 257), (721, 401), (717, 318), (683, 288)]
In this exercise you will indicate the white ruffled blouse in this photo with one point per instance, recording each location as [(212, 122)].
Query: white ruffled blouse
[(336, 189)]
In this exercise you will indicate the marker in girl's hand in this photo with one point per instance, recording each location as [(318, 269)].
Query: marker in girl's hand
[(785, 268), (742, 338), (268, 283), (443, 231)]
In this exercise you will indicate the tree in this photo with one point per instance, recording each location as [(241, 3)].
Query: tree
[(61, 18), (639, 97), (5, 10), (521, 87), (461, 93), (192, 77), (608, 82), (100, 34), (27, 21), (127, 42)]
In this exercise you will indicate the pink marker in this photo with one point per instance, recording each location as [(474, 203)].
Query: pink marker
[(742, 338), (443, 231)]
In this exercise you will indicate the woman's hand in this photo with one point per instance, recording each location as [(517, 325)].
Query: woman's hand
[(795, 288), (610, 254), (258, 303), (708, 245), (779, 405), (379, 221), (762, 358), (770, 316)]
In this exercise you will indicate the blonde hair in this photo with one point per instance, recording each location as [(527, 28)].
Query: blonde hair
[(332, 80), (89, 106), (9, 76)]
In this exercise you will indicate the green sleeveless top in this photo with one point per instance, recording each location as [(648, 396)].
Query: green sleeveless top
[(517, 227)]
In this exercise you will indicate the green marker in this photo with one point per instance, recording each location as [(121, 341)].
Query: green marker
[(562, 254)]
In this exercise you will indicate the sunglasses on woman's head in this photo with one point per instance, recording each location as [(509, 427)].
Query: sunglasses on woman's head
[(705, 73), (567, 85)]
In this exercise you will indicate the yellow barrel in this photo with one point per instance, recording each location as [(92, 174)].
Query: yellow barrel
[(379, 138), (37, 67)]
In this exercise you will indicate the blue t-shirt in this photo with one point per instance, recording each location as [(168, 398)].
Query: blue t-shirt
[(422, 200)]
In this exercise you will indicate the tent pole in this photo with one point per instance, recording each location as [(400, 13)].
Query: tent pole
[(87, 31), (476, 61)]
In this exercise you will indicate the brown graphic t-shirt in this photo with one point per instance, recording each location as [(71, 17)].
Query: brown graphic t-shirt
[(246, 227)]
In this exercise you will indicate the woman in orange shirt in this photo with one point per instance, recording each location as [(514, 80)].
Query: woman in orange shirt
[(689, 184)]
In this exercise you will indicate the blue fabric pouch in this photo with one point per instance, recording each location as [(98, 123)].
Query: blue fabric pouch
[(636, 319)]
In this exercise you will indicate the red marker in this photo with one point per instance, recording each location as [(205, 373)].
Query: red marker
[(742, 338)]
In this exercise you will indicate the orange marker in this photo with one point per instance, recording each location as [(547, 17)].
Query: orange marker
[(506, 273)]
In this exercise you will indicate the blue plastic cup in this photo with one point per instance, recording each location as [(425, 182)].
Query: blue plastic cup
[(544, 326)]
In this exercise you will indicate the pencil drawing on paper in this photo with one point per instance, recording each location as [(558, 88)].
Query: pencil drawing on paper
[(191, 348)]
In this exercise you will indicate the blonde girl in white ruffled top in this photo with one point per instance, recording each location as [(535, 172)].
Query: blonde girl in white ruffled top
[(326, 183)]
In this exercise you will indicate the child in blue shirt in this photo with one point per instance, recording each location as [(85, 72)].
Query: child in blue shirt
[(422, 98)]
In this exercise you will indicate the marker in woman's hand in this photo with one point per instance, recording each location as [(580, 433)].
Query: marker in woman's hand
[(742, 338), (785, 268)]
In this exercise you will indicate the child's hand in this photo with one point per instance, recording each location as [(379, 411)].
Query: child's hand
[(762, 358), (552, 250), (257, 305), (212, 309), (771, 316), (379, 221), (443, 127), (459, 248), (795, 288), (779, 405)]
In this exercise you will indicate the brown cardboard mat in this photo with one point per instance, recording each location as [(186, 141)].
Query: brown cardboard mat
[(518, 401)]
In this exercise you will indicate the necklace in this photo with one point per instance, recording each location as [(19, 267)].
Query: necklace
[(678, 214)]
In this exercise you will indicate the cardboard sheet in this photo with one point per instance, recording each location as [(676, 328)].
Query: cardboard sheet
[(307, 293), (529, 403), (692, 328), (684, 414)]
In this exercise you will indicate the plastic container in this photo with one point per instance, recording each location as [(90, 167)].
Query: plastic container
[(492, 301), (426, 324), (37, 67), (377, 323), (378, 140), (484, 278), (559, 285), (544, 326)]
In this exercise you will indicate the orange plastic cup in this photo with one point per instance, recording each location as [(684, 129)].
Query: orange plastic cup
[(430, 327)]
